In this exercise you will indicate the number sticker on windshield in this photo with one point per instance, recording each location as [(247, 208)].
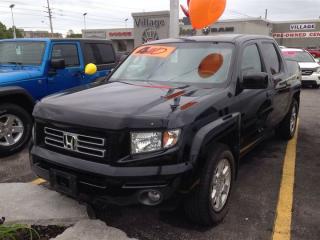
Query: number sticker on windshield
[(154, 51)]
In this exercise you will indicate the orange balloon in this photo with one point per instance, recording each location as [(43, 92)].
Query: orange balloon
[(205, 12)]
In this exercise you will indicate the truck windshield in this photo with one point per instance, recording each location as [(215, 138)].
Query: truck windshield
[(22, 53), (188, 63), (299, 56)]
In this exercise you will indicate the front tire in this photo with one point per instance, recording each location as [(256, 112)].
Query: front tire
[(209, 202), (287, 128), (15, 128)]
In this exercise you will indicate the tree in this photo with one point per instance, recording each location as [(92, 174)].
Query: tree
[(8, 33), (71, 34)]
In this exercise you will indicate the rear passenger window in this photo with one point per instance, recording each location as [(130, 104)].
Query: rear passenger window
[(251, 60), (272, 57), (68, 52), (99, 53)]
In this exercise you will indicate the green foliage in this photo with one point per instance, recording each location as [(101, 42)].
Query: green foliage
[(9, 232), (74, 35), (8, 32)]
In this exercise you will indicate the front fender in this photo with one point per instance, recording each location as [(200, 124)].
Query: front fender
[(222, 128), (14, 90)]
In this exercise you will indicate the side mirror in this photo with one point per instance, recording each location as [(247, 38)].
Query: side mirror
[(255, 80), (90, 69), (58, 63)]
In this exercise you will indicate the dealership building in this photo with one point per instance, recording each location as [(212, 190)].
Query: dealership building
[(150, 26)]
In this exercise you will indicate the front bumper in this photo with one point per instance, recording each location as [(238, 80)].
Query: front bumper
[(313, 79), (117, 185)]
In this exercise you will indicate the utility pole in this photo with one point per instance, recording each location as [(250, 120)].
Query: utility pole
[(50, 17), (84, 21), (174, 18), (266, 14), (13, 26)]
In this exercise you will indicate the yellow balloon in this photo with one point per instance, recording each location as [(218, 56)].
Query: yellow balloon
[(90, 69)]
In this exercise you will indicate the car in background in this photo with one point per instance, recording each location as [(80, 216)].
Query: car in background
[(31, 69), (309, 66), (294, 69), (315, 52)]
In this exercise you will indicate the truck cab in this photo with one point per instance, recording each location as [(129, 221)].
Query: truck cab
[(31, 69)]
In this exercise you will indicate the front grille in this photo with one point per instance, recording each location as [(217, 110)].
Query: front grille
[(307, 72), (78, 143)]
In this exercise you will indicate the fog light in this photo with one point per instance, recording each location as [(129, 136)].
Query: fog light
[(150, 197), (154, 196)]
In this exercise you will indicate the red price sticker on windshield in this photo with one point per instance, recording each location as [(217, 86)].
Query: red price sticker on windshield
[(154, 51), (289, 53)]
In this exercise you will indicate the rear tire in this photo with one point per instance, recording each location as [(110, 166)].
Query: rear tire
[(202, 206), (287, 128), (15, 128)]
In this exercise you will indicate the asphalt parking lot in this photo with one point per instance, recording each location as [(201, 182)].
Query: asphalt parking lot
[(253, 211)]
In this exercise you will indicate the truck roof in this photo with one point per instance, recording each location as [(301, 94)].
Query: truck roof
[(53, 40), (232, 38)]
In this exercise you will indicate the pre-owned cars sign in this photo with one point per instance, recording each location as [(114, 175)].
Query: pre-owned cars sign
[(303, 26), (297, 35)]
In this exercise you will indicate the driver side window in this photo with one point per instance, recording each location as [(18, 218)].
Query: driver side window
[(68, 52), (251, 61)]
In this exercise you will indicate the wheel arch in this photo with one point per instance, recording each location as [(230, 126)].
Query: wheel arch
[(18, 96), (296, 96), (225, 130)]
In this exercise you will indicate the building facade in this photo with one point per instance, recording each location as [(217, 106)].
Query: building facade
[(122, 38), (300, 34), (40, 34), (150, 26), (235, 26)]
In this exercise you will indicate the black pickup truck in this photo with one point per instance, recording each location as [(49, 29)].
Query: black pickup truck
[(170, 123)]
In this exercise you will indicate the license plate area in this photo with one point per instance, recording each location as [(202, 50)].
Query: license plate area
[(63, 182)]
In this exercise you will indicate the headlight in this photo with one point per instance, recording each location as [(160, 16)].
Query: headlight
[(318, 70), (143, 142)]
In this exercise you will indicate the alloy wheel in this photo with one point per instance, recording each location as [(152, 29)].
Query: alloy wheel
[(221, 183), (293, 119), (11, 130)]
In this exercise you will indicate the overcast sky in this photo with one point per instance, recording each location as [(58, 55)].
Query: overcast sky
[(29, 14)]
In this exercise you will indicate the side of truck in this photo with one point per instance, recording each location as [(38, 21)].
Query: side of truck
[(31, 69), (171, 123)]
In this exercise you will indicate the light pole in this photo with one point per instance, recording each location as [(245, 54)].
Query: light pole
[(126, 21), (84, 20), (174, 18), (13, 26)]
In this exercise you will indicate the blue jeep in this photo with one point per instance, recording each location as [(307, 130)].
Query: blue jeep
[(31, 69)]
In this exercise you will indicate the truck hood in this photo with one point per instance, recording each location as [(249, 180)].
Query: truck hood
[(9, 75), (308, 65), (118, 105)]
